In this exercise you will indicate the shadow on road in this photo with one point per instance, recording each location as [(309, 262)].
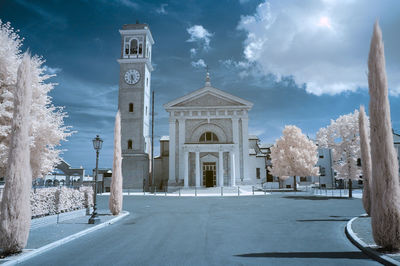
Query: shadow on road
[(313, 198), (324, 220), (322, 255)]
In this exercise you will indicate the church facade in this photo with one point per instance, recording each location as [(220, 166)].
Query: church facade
[(208, 138)]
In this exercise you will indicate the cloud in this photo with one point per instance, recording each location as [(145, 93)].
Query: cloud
[(322, 44), (52, 70), (199, 63), (128, 3), (161, 9), (200, 35), (193, 52)]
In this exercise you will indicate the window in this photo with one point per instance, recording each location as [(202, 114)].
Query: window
[(303, 179), (131, 107), (270, 178), (126, 49), (258, 175), (322, 171), (358, 162), (130, 144), (134, 48), (321, 156), (140, 48), (208, 137)]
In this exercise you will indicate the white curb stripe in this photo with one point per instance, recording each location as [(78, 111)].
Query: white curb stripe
[(35, 252), (386, 260)]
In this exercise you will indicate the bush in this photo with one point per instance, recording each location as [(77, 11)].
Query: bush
[(49, 201)]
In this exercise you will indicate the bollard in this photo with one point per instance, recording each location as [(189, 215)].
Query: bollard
[(252, 189), (128, 191), (195, 191), (165, 190), (155, 191), (179, 192), (222, 191), (238, 192), (326, 191), (144, 193)]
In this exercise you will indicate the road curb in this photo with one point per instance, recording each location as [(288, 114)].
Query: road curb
[(386, 260), (31, 253)]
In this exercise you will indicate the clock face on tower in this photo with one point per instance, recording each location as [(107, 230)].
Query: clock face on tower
[(132, 76)]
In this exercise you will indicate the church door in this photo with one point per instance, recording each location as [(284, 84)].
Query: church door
[(209, 174), (209, 178)]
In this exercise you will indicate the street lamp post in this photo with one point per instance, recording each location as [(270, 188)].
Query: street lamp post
[(97, 143)]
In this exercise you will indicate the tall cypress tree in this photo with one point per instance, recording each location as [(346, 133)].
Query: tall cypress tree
[(15, 215), (385, 212)]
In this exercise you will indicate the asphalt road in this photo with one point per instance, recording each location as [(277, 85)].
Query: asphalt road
[(279, 229)]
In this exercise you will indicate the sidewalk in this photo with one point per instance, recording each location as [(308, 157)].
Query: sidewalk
[(359, 231), (52, 234)]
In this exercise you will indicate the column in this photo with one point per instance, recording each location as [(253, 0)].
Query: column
[(171, 151), (245, 141), (235, 129), (186, 163), (221, 169), (181, 141), (233, 170), (197, 169)]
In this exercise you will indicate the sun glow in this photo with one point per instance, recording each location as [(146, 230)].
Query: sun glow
[(324, 22)]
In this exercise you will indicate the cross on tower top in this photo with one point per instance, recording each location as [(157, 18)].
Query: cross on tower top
[(208, 81)]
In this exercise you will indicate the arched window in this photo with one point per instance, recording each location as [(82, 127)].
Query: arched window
[(134, 46), (131, 107), (208, 137), (130, 144)]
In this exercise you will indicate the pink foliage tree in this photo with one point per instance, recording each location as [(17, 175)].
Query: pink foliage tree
[(342, 136), (365, 159), (293, 155), (15, 214), (385, 211), (116, 197)]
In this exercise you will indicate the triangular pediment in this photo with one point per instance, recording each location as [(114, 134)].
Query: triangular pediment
[(207, 100), (208, 97)]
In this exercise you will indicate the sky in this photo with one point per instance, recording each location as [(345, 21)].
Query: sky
[(300, 62)]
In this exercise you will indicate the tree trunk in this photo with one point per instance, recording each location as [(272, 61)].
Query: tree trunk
[(294, 183), (350, 188)]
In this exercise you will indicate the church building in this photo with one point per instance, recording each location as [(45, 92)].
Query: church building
[(208, 142)]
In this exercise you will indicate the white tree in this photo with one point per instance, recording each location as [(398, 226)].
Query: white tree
[(47, 127), (15, 214), (10, 57), (293, 155), (342, 136), (116, 197), (385, 212), (365, 159)]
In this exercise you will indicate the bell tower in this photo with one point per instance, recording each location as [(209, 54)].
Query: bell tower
[(134, 103)]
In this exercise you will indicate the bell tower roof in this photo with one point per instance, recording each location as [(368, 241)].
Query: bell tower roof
[(137, 26)]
